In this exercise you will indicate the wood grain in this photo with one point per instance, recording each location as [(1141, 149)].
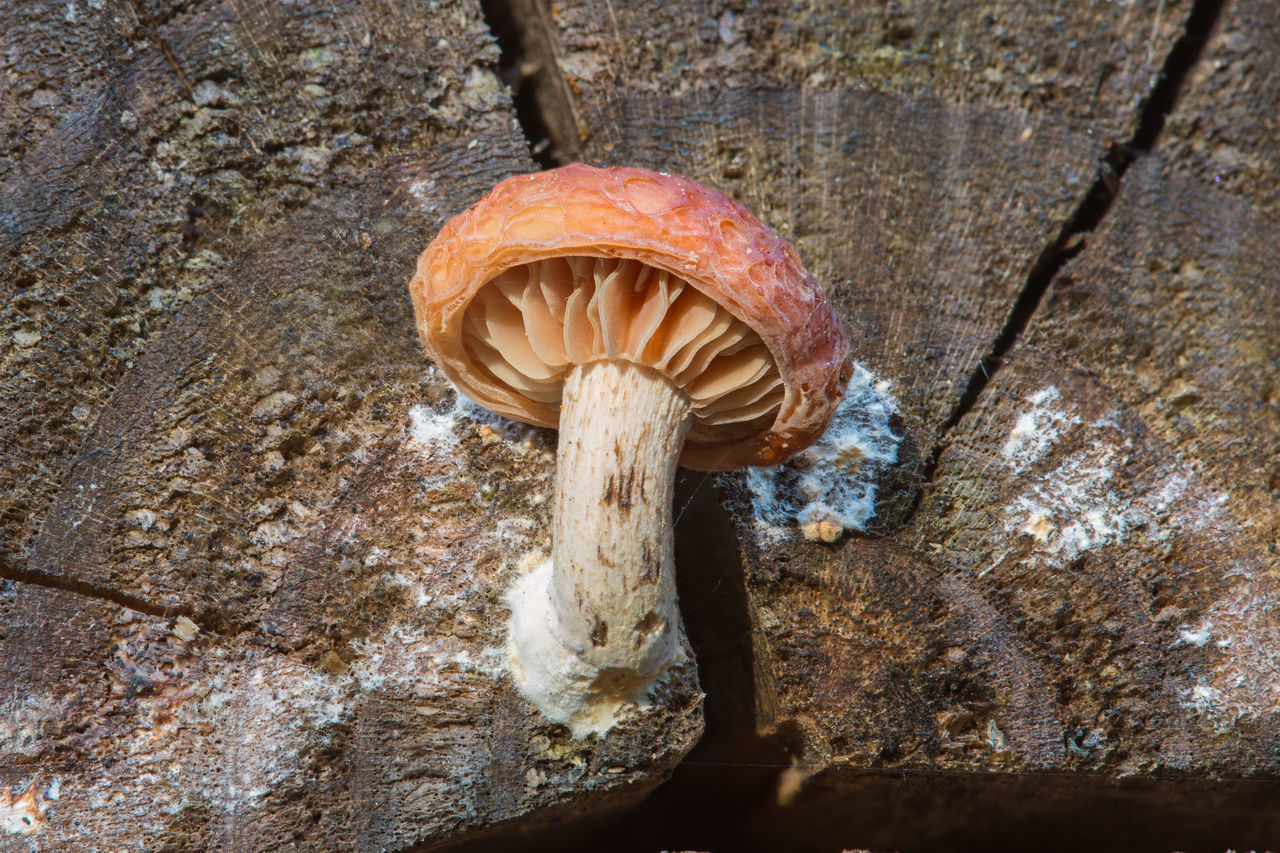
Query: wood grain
[(215, 407), (1040, 609)]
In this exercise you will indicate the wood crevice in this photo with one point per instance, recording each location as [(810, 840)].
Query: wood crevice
[(148, 23), (1117, 157), (34, 577), (542, 96)]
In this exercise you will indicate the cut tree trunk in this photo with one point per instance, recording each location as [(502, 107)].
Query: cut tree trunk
[(1070, 584), (254, 550)]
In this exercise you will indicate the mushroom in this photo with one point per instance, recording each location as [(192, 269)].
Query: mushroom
[(653, 321)]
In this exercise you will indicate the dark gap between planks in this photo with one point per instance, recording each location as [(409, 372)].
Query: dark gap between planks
[(520, 72)]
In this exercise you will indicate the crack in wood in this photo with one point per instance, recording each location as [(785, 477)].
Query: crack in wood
[(148, 23), (34, 577), (1089, 213), (541, 93)]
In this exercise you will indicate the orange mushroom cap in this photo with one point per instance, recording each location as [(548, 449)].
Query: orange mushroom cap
[(576, 264)]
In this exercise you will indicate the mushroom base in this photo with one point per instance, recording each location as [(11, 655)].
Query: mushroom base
[(599, 626), (565, 687)]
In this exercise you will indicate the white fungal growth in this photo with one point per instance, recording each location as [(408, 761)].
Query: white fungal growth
[(425, 193), (1081, 504), (1203, 699), (1073, 508), (563, 685), (1197, 636), (1235, 639), (438, 431), (831, 487), (433, 429), (403, 658), (1036, 429), (995, 738)]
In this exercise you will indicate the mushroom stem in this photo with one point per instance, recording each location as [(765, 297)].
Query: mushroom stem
[(597, 627), (613, 590)]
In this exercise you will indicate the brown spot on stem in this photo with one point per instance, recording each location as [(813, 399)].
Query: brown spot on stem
[(647, 627), (624, 489), (599, 633), (649, 573)]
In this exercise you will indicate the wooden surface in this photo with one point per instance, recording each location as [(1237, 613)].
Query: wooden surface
[(1089, 68), (210, 217), (1225, 130), (1101, 608), (214, 408)]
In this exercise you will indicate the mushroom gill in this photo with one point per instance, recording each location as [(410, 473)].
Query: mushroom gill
[(529, 325)]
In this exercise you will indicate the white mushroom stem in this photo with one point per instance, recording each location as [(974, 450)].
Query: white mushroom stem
[(600, 626), (613, 579)]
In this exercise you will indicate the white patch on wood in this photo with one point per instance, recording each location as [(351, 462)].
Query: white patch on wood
[(1243, 680), (1075, 508), (273, 703), (1072, 509), (272, 712), (436, 433), (1036, 429), (25, 340), (1170, 493), (831, 487), (25, 814), (424, 192), (1236, 675), (1202, 698), (1197, 636)]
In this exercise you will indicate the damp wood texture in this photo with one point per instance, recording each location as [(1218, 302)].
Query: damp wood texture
[(254, 550)]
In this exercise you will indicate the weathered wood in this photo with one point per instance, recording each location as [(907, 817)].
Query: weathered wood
[(1140, 543), (1225, 129), (1098, 605), (865, 186), (1102, 605), (215, 408), (860, 136), (1086, 68)]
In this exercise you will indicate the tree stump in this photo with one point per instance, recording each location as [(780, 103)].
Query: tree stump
[(253, 548)]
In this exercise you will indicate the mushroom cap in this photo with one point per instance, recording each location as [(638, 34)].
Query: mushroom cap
[(695, 235)]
